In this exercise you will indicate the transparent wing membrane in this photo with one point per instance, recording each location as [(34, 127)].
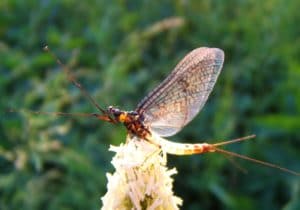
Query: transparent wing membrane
[(178, 99)]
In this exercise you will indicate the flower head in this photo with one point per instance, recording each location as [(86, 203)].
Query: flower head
[(141, 179)]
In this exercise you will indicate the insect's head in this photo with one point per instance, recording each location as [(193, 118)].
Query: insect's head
[(113, 111), (122, 116), (118, 114)]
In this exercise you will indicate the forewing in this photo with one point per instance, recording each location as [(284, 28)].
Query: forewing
[(178, 99)]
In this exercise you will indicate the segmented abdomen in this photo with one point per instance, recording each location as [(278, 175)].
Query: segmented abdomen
[(179, 148)]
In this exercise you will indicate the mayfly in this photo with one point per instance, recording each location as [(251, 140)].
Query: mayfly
[(171, 105)]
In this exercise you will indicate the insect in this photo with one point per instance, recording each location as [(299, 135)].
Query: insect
[(171, 105)]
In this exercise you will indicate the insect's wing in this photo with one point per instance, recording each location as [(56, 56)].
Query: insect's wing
[(178, 99)]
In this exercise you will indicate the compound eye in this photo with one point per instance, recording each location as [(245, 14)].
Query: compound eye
[(113, 110), (133, 113)]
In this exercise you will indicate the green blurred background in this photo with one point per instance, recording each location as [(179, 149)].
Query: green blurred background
[(119, 50)]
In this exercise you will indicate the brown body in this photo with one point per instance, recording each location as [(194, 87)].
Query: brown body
[(132, 121), (135, 126)]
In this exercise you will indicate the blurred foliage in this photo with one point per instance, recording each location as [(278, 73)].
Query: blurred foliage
[(119, 50)]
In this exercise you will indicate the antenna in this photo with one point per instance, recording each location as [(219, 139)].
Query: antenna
[(105, 115), (73, 80)]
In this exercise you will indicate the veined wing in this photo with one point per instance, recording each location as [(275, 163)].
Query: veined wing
[(178, 99)]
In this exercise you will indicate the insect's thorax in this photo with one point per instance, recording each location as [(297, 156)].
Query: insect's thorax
[(132, 121)]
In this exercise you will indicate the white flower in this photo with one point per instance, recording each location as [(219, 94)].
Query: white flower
[(141, 180)]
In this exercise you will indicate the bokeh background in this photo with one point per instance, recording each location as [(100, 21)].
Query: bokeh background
[(119, 51)]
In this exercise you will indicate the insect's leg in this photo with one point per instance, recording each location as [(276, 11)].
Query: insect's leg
[(62, 114), (156, 152)]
